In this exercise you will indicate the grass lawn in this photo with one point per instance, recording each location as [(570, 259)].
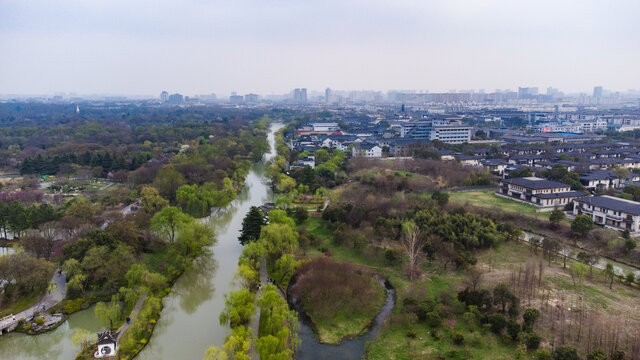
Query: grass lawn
[(22, 304), (488, 199)]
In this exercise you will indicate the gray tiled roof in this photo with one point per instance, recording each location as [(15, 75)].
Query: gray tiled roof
[(535, 183), (613, 203), (561, 195)]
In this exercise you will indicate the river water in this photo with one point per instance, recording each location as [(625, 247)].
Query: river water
[(311, 348), (189, 322), (53, 345)]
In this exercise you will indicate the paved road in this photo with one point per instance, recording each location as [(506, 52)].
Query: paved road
[(134, 313), (50, 299)]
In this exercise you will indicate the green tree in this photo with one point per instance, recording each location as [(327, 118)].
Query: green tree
[(503, 296), (251, 225), (167, 181), (278, 239), (556, 217), (277, 216), (442, 198), (609, 274), (597, 354), (107, 313), (582, 224), (215, 353), (578, 271), (530, 316), (238, 307), (169, 221), (565, 353), (151, 199)]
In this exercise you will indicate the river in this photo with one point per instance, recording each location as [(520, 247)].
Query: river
[(189, 322)]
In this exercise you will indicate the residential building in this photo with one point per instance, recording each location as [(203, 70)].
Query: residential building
[(612, 212), (367, 150), (543, 193), (164, 97)]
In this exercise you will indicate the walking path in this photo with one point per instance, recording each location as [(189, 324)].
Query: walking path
[(134, 313), (254, 324), (49, 300)]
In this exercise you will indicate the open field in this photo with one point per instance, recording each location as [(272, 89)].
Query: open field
[(488, 199), (590, 296)]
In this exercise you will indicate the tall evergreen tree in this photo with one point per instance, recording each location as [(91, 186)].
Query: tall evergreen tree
[(251, 225)]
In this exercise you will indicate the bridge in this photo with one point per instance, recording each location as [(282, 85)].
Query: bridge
[(8, 323)]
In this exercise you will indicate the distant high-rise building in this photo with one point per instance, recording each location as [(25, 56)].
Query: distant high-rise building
[(164, 96), (251, 98), (175, 99), (597, 92), (236, 99), (327, 95), (300, 96), (527, 92)]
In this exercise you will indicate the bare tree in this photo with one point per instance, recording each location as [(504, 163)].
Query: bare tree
[(473, 277), (412, 244)]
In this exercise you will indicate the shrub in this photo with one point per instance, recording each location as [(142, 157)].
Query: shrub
[(411, 334), (513, 329), (40, 321), (533, 341), (521, 351), (457, 338), (542, 354), (433, 319), (474, 338), (530, 316), (565, 353), (497, 321), (27, 327), (435, 334)]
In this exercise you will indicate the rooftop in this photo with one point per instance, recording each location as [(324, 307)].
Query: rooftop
[(613, 203), (535, 183)]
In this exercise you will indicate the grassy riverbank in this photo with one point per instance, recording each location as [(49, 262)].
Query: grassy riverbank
[(341, 299)]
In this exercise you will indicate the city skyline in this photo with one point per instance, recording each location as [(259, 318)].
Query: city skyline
[(195, 47)]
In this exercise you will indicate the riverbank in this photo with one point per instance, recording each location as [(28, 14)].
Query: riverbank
[(340, 301)]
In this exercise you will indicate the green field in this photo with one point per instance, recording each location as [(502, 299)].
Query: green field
[(488, 199)]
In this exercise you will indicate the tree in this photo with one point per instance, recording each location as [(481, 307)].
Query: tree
[(582, 224), (530, 317), (557, 172), (215, 353), (556, 217), (589, 259), (251, 225), (473, 277), (151, 199), (168, 221), (108, 313), (578, 271), (278, 239), (565, 353), (167, 181), (597, 354), (412, 244), (238, 307), (277, 216), (609, 274), (503, 296), (441, 198)]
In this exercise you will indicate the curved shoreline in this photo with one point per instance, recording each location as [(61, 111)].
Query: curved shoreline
[(369, 329)]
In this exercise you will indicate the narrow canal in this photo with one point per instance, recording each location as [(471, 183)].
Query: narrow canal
[(189, 322)]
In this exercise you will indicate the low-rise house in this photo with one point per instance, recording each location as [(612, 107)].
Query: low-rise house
[(496, 166), (305, 161), (543, 193), (367, 150), (612, 212), (600, 179), (469, 160)]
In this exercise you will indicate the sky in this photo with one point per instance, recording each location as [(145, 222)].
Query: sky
[(136, 47)]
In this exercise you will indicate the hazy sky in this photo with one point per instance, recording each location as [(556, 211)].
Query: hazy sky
[(272, 46)]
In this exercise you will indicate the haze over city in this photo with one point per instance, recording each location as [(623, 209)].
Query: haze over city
[(271, 47)]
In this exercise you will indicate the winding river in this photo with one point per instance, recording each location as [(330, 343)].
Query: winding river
[(189, 322)]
